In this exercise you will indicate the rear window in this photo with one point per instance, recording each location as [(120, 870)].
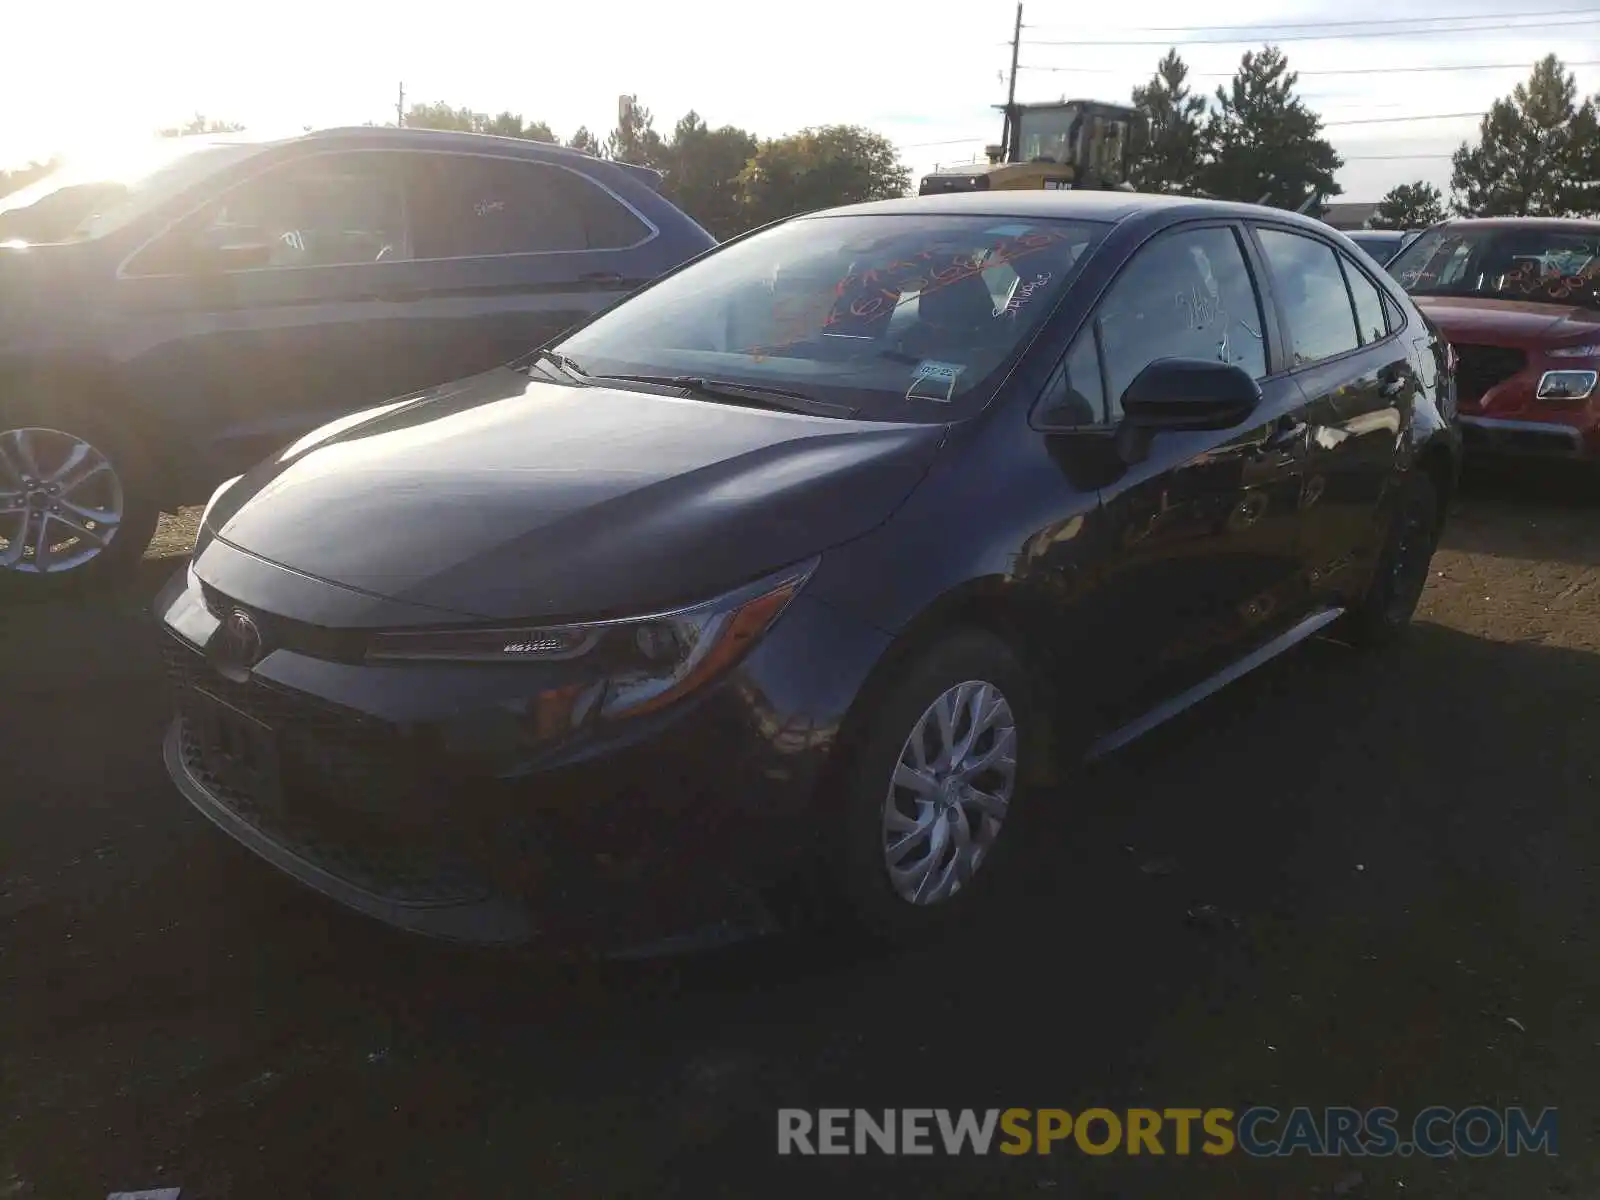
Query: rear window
[(1553, 266), (904, 317)]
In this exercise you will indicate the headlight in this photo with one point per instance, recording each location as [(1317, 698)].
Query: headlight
[(1592, 350), (205, 513), (620, 668), (1567, 385), (203, 534)]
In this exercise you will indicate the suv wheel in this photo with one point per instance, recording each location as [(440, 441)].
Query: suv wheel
[(930, 793), (74, 504)]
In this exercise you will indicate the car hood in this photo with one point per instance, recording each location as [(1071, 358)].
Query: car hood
[(503, 497), (1523, 323)]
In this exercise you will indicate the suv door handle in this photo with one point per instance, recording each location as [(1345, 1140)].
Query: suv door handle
[(602, 277)]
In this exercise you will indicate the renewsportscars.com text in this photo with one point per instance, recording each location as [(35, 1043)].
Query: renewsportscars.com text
[(1258, 1132)]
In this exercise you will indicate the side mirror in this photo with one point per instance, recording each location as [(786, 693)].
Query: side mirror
[(1178, 394)]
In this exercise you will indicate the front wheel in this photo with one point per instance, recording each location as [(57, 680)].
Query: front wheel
[(74, 503), (932, 788), (1384, 613)]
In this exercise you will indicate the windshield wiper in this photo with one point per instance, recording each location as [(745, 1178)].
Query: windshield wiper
[(561, 362), (780, 399)]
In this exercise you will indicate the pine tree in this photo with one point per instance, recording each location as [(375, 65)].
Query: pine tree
[(1262, 141), (1169, 156)]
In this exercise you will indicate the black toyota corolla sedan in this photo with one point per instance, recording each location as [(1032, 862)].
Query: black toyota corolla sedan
[(809, 570)]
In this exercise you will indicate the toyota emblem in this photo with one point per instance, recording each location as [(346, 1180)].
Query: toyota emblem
[(238, 640)]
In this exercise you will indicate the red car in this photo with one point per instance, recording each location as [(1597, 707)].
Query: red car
[(1518, 298)]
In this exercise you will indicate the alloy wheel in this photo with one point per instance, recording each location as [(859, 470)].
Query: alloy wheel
[(951, 790), (61, 501)]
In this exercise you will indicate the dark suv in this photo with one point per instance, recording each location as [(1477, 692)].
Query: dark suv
[(168, 318)]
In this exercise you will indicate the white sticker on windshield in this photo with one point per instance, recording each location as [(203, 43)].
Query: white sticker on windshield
[(1008, 230), (934, 381)]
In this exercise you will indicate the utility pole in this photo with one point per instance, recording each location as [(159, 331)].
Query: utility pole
[(1016, 45), (1008, 132), (400, 108)]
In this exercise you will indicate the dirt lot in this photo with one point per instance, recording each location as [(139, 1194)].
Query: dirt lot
[(1408, 845)]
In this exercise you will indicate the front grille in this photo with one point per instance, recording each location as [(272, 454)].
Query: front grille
[(1480, 368), (357, 798)]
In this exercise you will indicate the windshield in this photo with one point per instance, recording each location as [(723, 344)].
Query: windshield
[(1509, 262), (907, 317), (1049, 133), (88, 197)]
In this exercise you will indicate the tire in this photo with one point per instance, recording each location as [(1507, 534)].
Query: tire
[(975, 668), (1384, 613), (113, 473)]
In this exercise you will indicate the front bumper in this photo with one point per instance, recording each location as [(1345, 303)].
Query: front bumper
[(411, 793), (1501, 436)]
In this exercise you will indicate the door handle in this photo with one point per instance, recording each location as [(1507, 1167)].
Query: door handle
[(1280, 439), (1285, 432), (1391, 382), (604, 277)]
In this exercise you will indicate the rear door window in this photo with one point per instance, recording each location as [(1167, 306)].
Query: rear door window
[(1371, 323), (475, 206), (1311, 288)]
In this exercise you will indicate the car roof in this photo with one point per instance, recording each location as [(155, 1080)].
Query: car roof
[(1104, 206), (471, 143), (1575, 223)]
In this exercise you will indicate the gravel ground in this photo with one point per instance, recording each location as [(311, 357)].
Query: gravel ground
[(1401, 852)]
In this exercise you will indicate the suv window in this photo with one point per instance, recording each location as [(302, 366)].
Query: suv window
[(321, 211), (472, 206), (1187, 294), (1371, 323), (1559, 265), (1312, 291)]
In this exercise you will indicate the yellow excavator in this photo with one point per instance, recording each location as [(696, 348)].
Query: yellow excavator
[(1082, 144)]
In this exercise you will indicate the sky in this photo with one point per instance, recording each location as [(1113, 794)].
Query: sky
[(923, 72)]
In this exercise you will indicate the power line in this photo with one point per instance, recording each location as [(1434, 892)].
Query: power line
[(1549, 12), (1343, 71), (1402, 120), (1324, 37)]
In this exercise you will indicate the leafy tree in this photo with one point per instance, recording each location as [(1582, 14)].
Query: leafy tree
[(465, 120), (635, 140), (819, 168), (1170, 156), (18, 178), (440, 115), (585, 141), (702, 168), (1526, 162), (200, 123), (1410, 206), (1262, 140)]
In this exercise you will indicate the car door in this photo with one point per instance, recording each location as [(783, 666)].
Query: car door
[(263, 313), (1354, 365), (1203, 554), (516, 251)]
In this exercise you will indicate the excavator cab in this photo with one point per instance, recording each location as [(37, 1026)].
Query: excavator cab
[(1083, 144)]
